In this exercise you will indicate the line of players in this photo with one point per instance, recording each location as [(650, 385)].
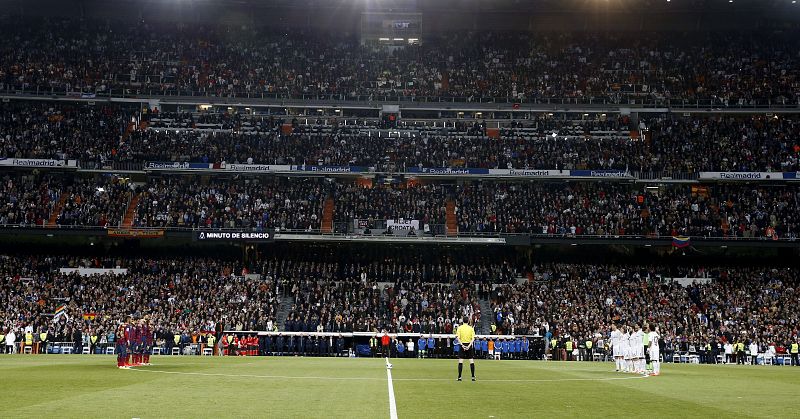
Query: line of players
[(506, 348), (628, 346), (134, 343)]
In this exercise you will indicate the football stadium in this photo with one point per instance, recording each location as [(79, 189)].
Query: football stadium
[(399, 208)]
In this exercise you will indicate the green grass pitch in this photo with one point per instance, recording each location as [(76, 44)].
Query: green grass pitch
[(183, 386)]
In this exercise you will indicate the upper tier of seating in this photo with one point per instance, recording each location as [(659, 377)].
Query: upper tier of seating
[(100, 136), (92, 57)]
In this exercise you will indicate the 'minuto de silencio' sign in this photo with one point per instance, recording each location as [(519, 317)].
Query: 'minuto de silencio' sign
[(261, 236)]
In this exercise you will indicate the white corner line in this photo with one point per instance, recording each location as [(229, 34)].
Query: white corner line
[(392, 404)]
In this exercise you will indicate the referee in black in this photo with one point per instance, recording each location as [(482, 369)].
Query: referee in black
[(466, 337)]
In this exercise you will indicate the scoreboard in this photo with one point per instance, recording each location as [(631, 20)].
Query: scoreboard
[(391, 28)]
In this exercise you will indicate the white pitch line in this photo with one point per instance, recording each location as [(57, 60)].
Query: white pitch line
[(305, 377), (277, 377), (392, 404), (523, 380)]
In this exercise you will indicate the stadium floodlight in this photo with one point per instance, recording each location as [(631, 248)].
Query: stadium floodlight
[(399, 39), (383, 39)]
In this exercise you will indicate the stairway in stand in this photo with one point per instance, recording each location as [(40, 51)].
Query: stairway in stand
[(130, 213), (283, 312), (327, 216), (128, 131), (487, 317), (452, 224), (57, 210)]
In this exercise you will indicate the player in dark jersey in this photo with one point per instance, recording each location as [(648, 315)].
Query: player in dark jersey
[(147, 336), (136, 341), (142, 341), (122, 347), (128, 336)]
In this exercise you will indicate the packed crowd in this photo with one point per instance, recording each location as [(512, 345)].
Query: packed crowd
[(27, 201), (576, 209), (425, 203), (104, 135), (388, 295), (575, 303), (98, 57), (61, 131), (672, 145), (186, 296), (723, 144), (221, 203), (196, 295), (366, 307), (95, 202), (725, 306), (570, 209)]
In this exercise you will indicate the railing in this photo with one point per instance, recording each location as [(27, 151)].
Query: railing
[(656, 236), (175, 229), (435, 230), (632, 100)]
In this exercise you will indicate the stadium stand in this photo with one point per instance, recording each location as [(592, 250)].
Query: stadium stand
[(581, 68), (100, 136), (115, 134), (573, 209), (189, 297), (251, 204)]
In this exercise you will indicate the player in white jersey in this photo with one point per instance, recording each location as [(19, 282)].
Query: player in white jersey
[(640, 350), (654, 351), (637, 348), (616, 342), (626, 350)]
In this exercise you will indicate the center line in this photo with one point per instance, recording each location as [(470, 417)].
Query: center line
[(392, 404)]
